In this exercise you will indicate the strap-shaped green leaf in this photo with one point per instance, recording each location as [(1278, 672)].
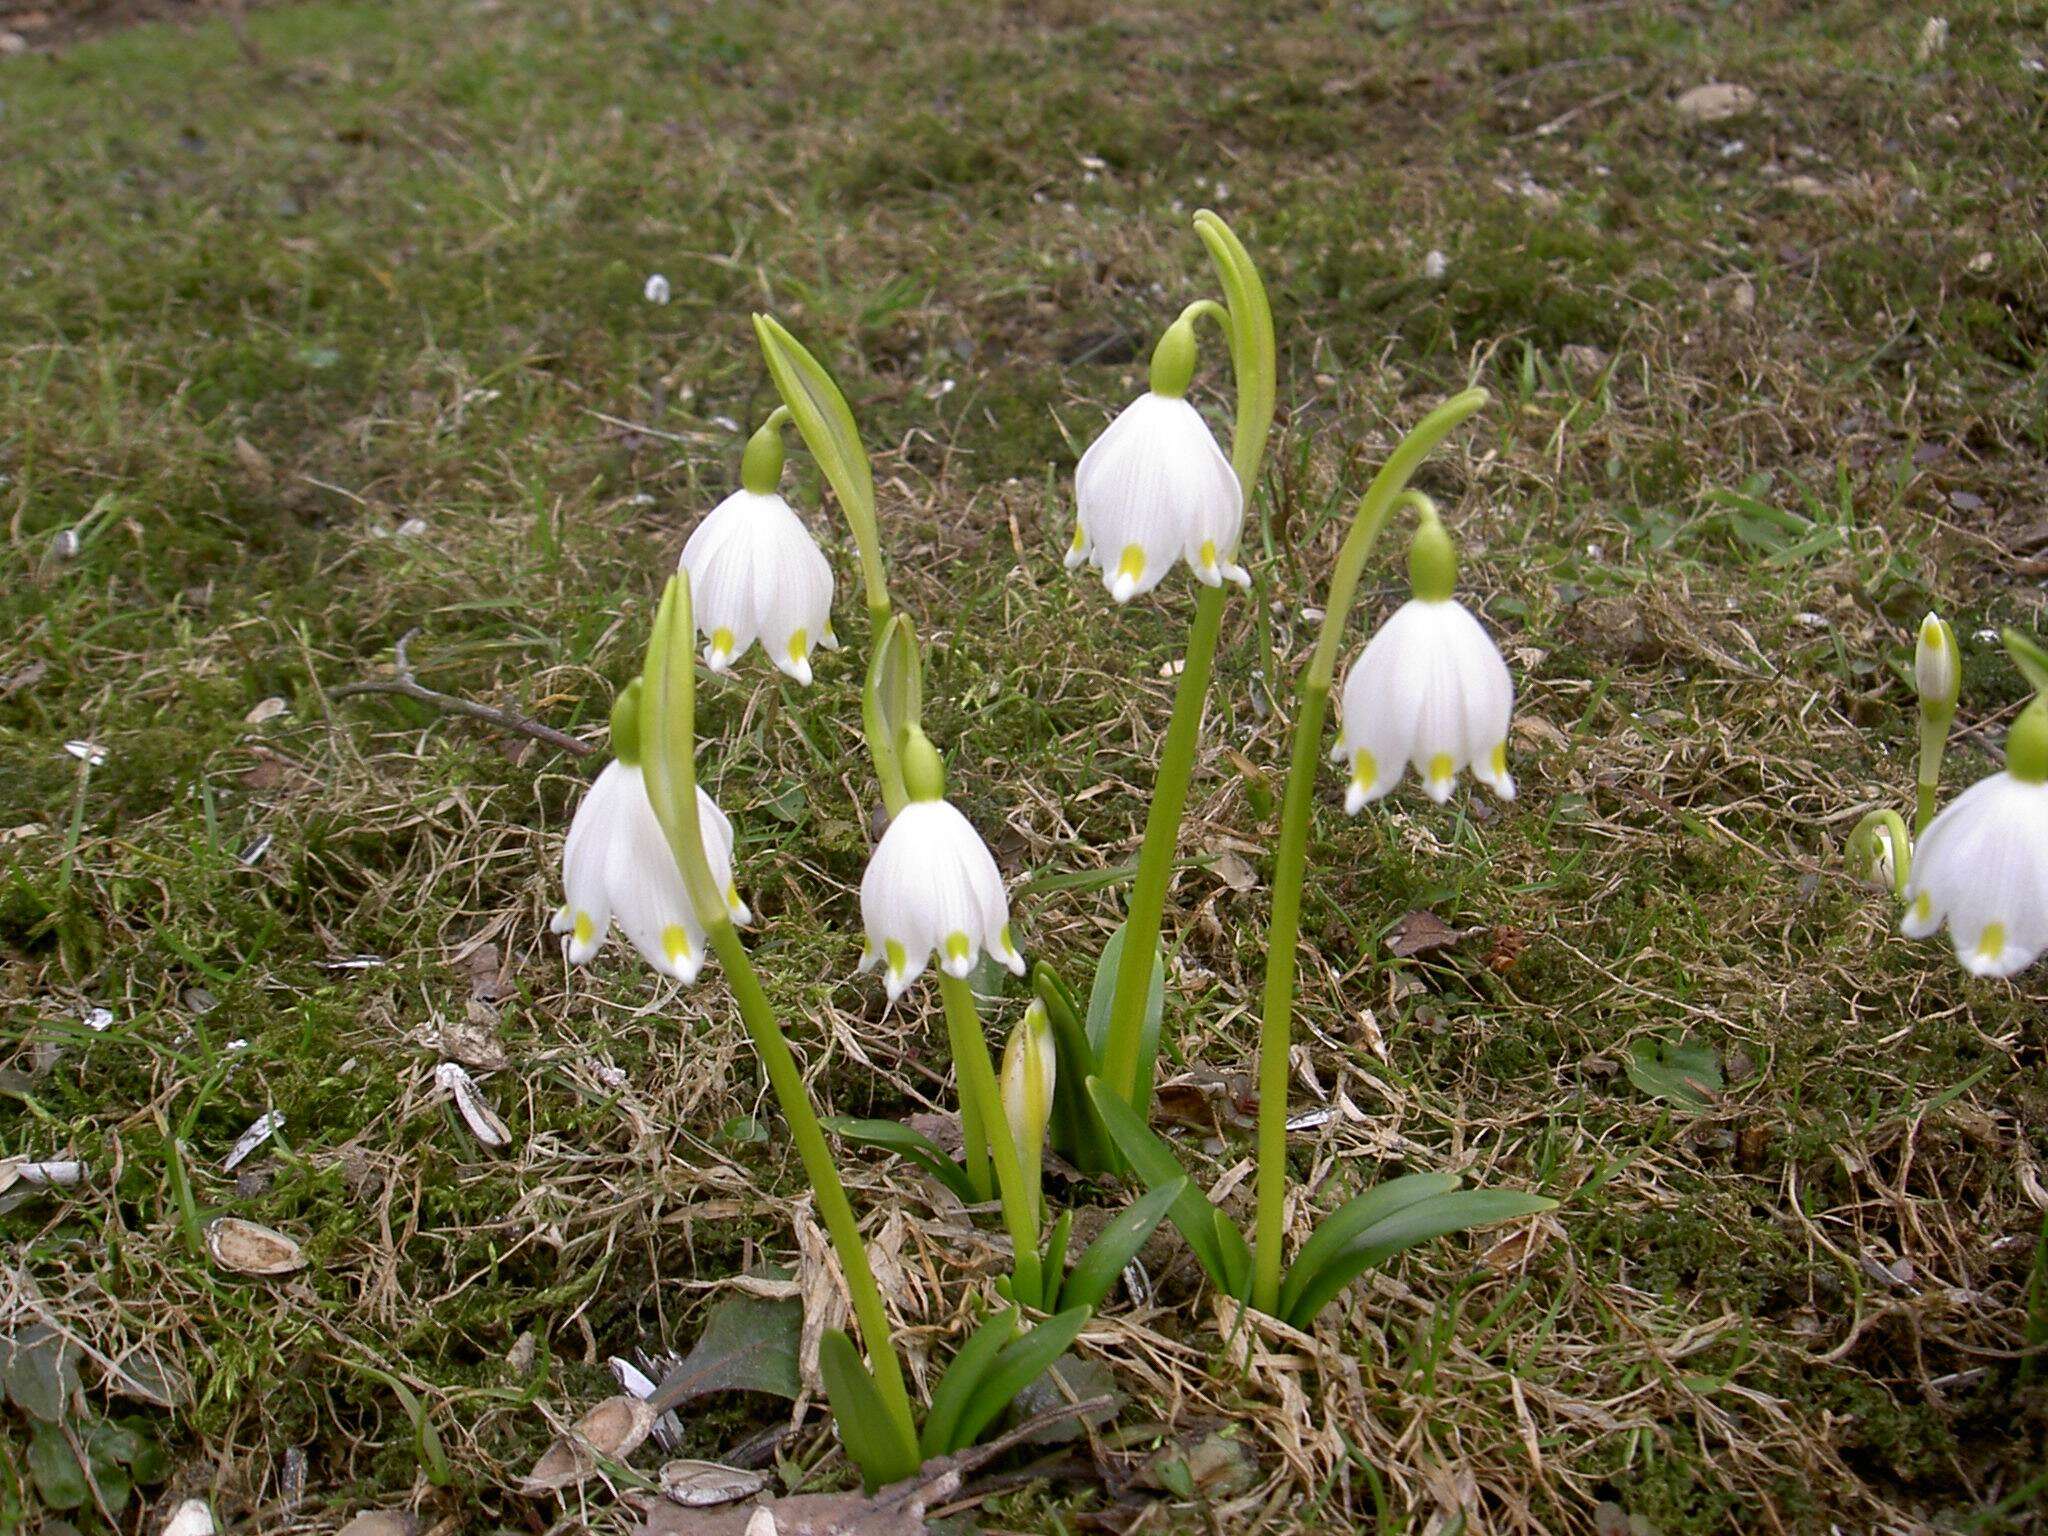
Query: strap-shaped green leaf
[(914, 1145), (1020, 1363), (826, 421), (1154, 1163), (1353, 1217), (956, 1388), (1056, 1258), (1117, 1244), (2029, 657), (1234, 1252), (1457, 1211), (1102, 1004), (866, 1427), (1253, 357), (1074, 1128)]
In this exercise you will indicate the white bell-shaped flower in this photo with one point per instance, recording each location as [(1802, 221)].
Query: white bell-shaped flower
[(616, 863), (1155, 488), (1029, 1075), (757, 574), (1429, 689), (1982, 864), (932, 885), (1937, 670)]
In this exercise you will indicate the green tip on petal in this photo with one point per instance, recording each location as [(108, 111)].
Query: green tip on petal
[(1173, 361), (924, 776), (626, 724), (2026, 745), (1432, 562)]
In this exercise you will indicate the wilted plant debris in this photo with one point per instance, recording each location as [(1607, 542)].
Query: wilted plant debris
[(1609, 1161)]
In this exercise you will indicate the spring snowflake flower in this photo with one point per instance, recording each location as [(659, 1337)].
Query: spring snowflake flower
[(756, 573), (1982, 864), (1155, 488), (1429, 689), (616, 863), (932, 885), (1030, 1072)]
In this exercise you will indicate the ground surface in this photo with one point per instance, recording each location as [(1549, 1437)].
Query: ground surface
[(326, 339)]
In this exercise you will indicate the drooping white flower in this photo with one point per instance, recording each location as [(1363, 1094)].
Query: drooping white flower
[(617, 864), (1155, 488), (1429, 689), (756, 573), (1982, 864), (932, 885)]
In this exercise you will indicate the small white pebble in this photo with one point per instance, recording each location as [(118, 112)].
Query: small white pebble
[(1435, 265), (657, 290)]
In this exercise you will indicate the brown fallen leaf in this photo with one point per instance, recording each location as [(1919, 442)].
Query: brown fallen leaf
[(1419, 932), (381, 1522), (612, 1430), (248, 1249)]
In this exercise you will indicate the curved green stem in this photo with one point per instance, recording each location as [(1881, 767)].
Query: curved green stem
[(978, 1081), (1387, 492), (1862, 848), (669, 761), (1247, 325)]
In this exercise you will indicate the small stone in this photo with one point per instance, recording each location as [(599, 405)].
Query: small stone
[(1715, 102)]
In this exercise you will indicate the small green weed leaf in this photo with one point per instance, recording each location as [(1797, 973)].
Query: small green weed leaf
[(40, 1368), (1354, 1216), (54, 1465), (908, 1143), (1436, 1216), (749, 1344), (1675, 1070)]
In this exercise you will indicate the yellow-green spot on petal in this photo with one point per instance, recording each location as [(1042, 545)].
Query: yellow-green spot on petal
[(675, 942), (956, 946), (1080, 539), (1923, 908), (721, 641), (1499, 760), (1365, 768), (798, 644), (1441, 768), (1009, 945), (899, 962), (1133, 562), (732, 897), (1992, 944), (585, 929), (1208, 554)]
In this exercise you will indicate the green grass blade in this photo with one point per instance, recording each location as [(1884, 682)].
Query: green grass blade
[(1458, 1211), (914, 1145)]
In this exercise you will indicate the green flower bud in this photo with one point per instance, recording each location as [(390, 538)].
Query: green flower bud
[(761, 468), (1173, 361), (2026, 745), (1432, 561), (924, 776), (626, 724)]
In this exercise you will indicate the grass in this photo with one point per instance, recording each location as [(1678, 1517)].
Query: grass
[(318, 348)]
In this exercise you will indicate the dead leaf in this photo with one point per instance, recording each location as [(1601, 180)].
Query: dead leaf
[(1209, 1467), (1232, 869), (748, 1345), (1508, 944), (477, 1114), (701, 1484), (1715, 102), (1419, 932), (381, 1522), (252, 459), (248, 1249), (1519, 1246), (269, 709), (473, 1040), (612, 1430)]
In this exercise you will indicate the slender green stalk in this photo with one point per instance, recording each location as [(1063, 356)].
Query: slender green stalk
[(669, 761), (1863, 852), (1155, 857), (1933, 741), (1387, 492), (961, 1024), (1247, 326), (978, 1081)]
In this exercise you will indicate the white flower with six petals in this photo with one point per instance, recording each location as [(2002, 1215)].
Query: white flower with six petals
[(1152, 489), (932, 885), (1982, 868), (757, 574)]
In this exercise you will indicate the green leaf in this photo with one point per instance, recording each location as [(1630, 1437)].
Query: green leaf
[(1670, 1069), (55, 1467), (1117, 1244), (1019, 1364), (1102, 1003), (2029, 657), (1075, 1129), (1055, 1264), (40, 1369), (950, 1397), (914, 1145), (1353, 1217), (749, 1344), (1457, 1211), (866, 1428), (1154, 1163)]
